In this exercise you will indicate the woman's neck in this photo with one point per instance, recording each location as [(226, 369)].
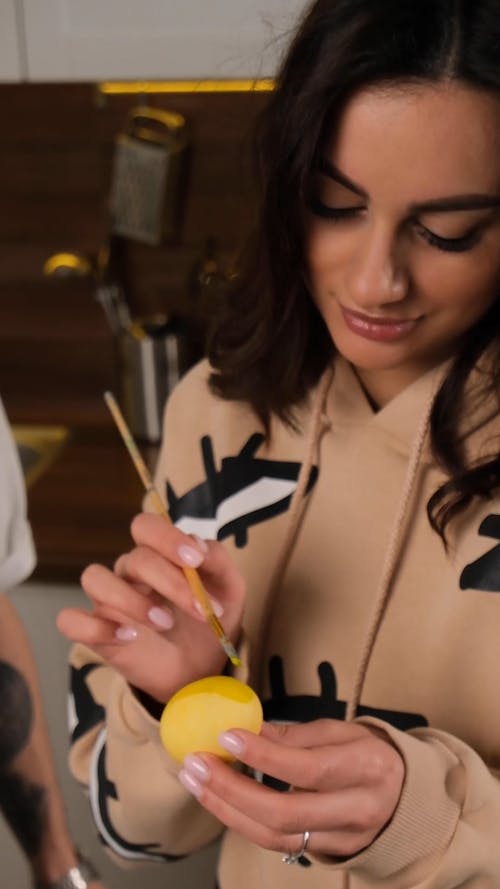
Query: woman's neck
[(381, 386)]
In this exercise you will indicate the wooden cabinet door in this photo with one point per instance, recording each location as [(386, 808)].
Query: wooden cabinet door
[(11, 54), (155, 39)]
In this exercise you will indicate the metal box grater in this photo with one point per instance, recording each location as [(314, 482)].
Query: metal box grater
[(148, 174)]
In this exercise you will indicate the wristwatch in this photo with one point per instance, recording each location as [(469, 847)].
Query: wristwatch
[(77, 877)]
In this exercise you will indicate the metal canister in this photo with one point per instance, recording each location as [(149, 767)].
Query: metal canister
[(152, 356)]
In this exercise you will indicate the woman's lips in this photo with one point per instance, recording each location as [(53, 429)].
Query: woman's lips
[(381, 329)]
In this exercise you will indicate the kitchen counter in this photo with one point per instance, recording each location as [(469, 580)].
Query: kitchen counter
[(80, 508)]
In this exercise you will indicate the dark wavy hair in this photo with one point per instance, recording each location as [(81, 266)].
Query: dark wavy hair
[(273, 344)]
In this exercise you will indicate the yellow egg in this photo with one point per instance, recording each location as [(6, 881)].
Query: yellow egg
[(196, 715)]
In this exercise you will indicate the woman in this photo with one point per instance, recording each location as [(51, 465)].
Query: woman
[(343, 444)]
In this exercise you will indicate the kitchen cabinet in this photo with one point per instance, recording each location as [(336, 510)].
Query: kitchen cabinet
[(11, 41), (81, 507), (72, 40)]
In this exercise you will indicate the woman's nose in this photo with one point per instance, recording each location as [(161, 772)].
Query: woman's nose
[(377, 275)]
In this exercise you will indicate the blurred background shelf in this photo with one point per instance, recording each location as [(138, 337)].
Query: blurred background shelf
[(38, 447), (81, 506)]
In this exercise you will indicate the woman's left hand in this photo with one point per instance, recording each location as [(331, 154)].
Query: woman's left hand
[(345, 779)]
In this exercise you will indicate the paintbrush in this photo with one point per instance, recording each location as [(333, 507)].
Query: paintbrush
[(192, 576)]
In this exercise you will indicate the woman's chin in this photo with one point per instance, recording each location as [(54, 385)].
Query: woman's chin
[(373, 356)]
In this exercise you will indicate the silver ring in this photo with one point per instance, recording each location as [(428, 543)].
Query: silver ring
[(296, 856)]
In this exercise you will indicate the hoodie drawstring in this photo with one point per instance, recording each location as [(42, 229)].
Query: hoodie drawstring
[(318, 424), (390, 561)]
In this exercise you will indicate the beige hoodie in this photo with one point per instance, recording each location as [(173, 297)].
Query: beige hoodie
[(351, 598)]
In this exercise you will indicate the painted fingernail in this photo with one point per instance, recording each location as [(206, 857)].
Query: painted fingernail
[(126, 634), (191, 784), (197, 768), (190, 556), (232, 743), (161, 618), (217, 607), (201, 543)]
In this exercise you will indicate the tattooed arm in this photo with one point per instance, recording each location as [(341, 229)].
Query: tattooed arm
[(30, 798)]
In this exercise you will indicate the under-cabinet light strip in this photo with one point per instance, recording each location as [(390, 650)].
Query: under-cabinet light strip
[(134, 87)]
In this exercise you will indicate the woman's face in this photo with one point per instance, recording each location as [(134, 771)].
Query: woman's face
[(403, 228)]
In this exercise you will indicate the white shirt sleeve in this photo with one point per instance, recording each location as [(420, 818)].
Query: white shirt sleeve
[(17, 551)]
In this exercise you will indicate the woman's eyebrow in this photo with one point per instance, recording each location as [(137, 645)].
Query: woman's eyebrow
[(457, 202), (327, 168), (434, 205)]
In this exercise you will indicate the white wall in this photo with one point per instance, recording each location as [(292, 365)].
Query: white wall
[(38, 605)]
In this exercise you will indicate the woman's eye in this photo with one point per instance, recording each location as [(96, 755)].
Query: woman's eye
[(325, 211), (450, 245)]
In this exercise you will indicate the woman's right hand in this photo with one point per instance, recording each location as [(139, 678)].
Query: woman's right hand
[(145, 621)]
